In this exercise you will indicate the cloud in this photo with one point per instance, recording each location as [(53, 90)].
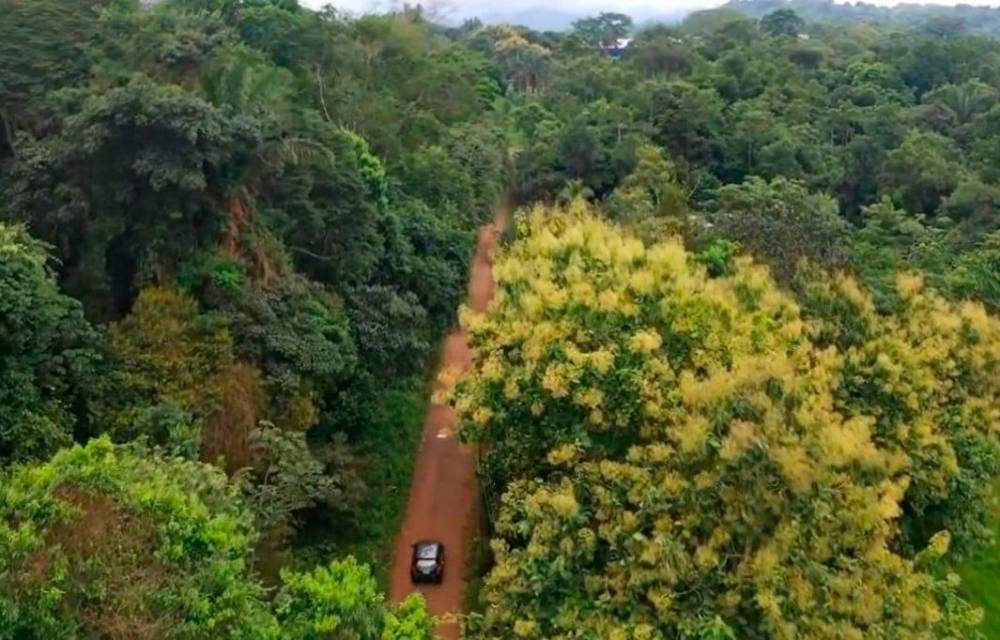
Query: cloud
[(473, 7), (466, 8)]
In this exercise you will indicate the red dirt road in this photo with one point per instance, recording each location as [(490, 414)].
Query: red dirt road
[(444, 497)]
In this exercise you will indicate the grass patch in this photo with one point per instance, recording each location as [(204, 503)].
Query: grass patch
[(389, 448), (479, 556), (480, 561), (981, 577)]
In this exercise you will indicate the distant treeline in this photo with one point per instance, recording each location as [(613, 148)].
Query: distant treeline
[(933, 18)]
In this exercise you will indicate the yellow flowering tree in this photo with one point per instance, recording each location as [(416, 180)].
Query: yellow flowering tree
[(592, 338), (684, 457), (928, 378)]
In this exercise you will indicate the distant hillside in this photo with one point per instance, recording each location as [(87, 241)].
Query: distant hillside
[(981, 20)]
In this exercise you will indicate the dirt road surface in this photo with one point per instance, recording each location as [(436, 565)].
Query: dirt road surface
[(443, 496)]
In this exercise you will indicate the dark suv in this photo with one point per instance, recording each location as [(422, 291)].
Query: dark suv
[(427, 564)]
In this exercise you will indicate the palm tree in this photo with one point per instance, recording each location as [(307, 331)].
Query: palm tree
[(964, 101)]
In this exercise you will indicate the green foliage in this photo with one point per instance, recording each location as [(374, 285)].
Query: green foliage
[(102, 539), (167, 357), (387, 450), (313, 183), (409, 621), (652, 189), (718, 257), (50, 357), (141, 194), (387, 326), (291, 476), (972, 206), (921, 172), (298, 333), (783, 22), (891, 241), (604, 29), (42, 47), (978, 573), (339, 600), (657, 49), (212, 270), (685, 119), (942, 20), (757, 212), (523, 64), (977, 272), (371, 169)]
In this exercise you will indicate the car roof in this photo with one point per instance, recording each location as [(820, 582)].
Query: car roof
[(428, 548), (427, 543)]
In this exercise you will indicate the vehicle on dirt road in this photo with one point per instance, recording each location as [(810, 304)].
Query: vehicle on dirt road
[(428, 562)]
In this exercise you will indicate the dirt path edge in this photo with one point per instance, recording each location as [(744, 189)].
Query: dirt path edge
[(444, 496)]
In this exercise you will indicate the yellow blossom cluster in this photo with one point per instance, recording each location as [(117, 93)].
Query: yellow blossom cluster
[(687, 456)]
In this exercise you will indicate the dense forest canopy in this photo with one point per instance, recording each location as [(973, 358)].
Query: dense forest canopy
[(741, 378), (933, 18)]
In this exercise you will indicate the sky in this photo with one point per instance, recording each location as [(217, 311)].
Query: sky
[(556, 15), (576, 6)]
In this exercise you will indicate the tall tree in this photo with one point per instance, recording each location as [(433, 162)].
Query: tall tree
[(605, 29), (783, 22), (51, 361)]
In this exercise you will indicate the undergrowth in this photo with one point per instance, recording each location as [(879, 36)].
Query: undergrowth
[(980, 574)]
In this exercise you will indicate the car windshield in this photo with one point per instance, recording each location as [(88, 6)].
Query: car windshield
[(427, 552)]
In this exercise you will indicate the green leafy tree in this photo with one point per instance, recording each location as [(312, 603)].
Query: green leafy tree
[(113, 196), (783, 22), (298, 333), (290, 476), (105, 540), (604, 29), (973, 205), (782, 223), (44, 47), (891, 241), (652, 189), (50, 357), (409, 621), (686, 120), (921, 172), (525, 64), (340, 600), (977, 272), (167, 354), (659, 50), (962, 103)]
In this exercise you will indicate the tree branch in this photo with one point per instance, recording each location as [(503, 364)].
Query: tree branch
[(322, 96), (311, 254)]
